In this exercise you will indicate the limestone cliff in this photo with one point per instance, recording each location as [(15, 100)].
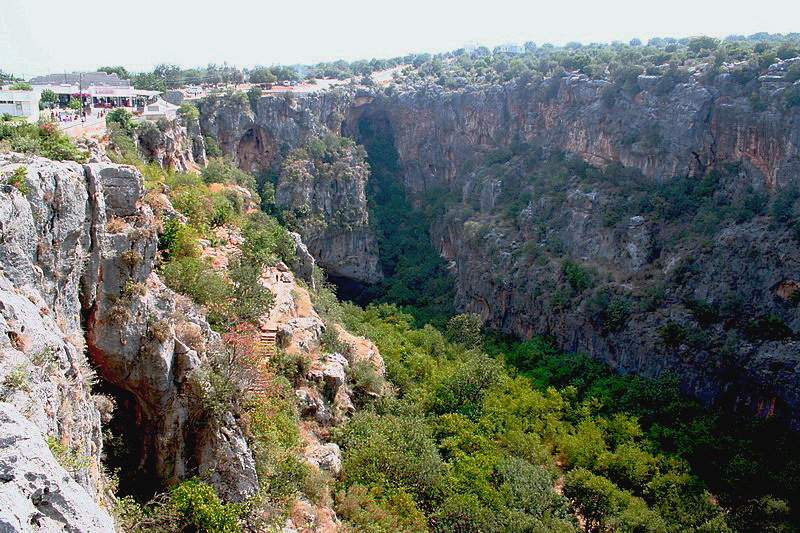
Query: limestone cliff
[(322, 190), (455, 145), (259, 134), (77, 249), (175, 144), (661, 132)]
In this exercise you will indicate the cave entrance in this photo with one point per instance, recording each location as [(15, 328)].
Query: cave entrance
[(256, 151), (123, 443), (415, 277)]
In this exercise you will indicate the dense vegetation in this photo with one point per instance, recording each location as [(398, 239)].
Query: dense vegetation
[(479, 430), (42, 139), (675, 60)]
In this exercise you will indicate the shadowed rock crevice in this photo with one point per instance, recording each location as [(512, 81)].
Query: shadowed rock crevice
[(257, 151)]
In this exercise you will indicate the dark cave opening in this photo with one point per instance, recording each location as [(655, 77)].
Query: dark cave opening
[(415, 276), (256, 151), (125, 439)]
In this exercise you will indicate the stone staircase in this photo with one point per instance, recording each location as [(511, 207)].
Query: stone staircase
[(267, 348)]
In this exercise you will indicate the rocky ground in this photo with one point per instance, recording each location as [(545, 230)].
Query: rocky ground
[(324, 397), (80, 302)]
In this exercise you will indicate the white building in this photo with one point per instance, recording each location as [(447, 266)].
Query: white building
[(20, 104), (97, 88), (159, 109), (510, 48)]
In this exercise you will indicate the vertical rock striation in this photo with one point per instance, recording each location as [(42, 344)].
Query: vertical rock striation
[(77, 254)]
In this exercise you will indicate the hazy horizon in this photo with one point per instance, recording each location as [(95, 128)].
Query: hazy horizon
[(37, 39)]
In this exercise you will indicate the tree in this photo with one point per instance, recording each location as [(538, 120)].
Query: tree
[(74, 103), (6, 77), (120, 116), (49, 98), (120, 71), (466, 329), (703, 43), (787, 50), (189, 111), (169, 74), (262, 75), (23, 86)]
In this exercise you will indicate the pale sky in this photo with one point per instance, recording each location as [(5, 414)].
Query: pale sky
[(48, 36)]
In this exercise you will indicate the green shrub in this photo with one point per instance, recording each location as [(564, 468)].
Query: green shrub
[(131, 258), (17, 179), (673, 335), (219, 170), (330, 341), (212, 147), (122, 117), (374, 510), (66, 457), (206, 286), (768, 328), (189, 111), (364, 381), (17, 379), (579, 278), (177, 240), (462, 387), (202, 509), (118, 314), (466, 329), (266, 241), (404, 448), (249, 299), (604, 506)]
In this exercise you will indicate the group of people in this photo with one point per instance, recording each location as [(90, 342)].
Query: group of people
[(71, 116)]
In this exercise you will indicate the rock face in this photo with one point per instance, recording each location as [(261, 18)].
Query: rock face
[(327, 197), (259, 134), (506, 272), (36, 493), (43, 368), (174, 144), (661, 133), (663, 130), (77, 255)]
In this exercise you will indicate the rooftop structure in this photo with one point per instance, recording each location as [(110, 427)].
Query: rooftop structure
[(20, 104), (510, 48), (97, 88), (159, 109), (100, 79)]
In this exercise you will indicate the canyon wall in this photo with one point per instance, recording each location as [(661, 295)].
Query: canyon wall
[(260, 135), (662, 134), (79, 296), (662, 129)]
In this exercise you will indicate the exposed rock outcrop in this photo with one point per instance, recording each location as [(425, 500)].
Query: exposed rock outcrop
[(438, 134), (67, 270), (326, 195), (175, 144), (36, 493), (259, 135), (663, 128)]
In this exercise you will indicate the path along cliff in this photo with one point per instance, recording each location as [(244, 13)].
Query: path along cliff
[(91, 337)]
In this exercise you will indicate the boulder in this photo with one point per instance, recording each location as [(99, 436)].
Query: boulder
[(325, 456), (36, 493)]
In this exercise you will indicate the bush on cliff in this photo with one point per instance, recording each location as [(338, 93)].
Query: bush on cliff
[(43, 139)]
